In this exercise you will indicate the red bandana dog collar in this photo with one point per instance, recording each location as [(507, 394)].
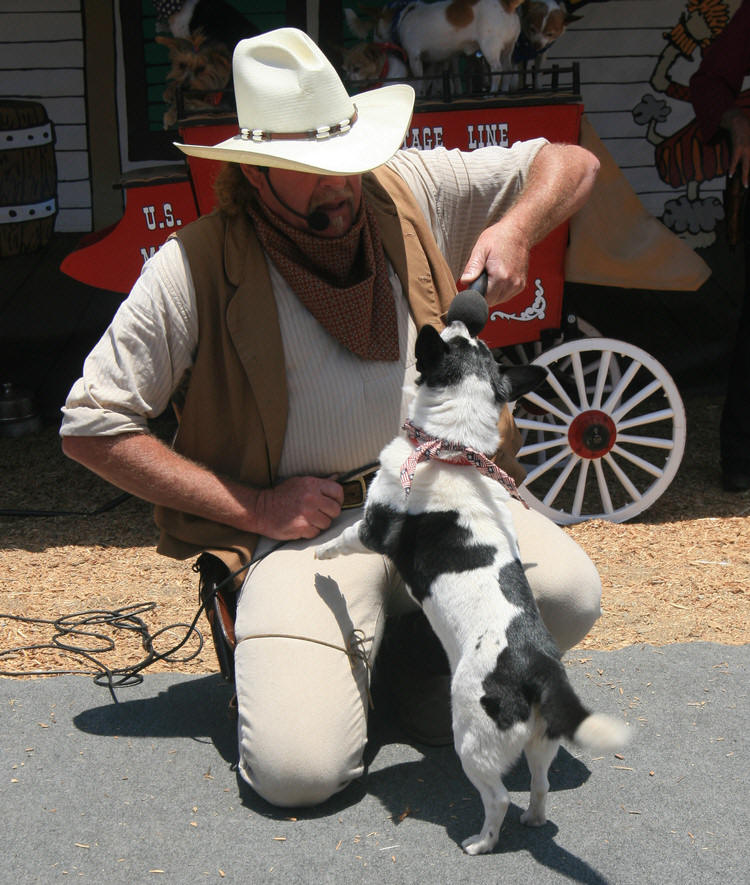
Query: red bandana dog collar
[(430, 447)]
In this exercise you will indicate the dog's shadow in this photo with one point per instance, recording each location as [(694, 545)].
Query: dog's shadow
[(436, 790)]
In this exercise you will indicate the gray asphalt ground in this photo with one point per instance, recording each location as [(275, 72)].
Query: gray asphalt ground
[(145, 790)]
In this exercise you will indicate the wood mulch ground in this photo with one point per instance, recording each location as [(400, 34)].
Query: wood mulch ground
[(680, 572)]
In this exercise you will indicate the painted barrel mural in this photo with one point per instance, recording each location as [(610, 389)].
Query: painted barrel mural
[(28, 177)]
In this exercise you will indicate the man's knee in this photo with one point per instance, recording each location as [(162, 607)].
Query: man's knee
[(572, 605), (297, 775)]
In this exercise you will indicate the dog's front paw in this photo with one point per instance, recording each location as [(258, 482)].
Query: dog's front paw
[(326, 551)]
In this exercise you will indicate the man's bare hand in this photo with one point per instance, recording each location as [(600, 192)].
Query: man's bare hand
[(300, 507), (504, 254)]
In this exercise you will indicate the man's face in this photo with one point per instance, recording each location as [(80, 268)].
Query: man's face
[(338, 196)]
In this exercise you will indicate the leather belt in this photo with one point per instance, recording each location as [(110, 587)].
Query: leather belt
[(355, 487)]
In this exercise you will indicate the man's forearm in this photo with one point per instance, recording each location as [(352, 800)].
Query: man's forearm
[(560, 181), (141, 464), (144, 466)]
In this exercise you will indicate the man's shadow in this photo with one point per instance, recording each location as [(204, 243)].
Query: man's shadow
[(433, 788), (191, 708)]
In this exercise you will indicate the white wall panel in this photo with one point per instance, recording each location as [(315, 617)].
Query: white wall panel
[(42, 60)]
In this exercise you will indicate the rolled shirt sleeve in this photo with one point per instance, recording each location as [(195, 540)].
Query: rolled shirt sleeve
[(131, 373)]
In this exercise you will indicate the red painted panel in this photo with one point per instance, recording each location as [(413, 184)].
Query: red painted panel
[(469, 129), (539, 306), (203, 172), (152, 213)]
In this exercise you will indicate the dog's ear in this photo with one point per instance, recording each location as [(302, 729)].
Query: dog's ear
[(519, 380), (360, 27), (429, 348), (169, 42)]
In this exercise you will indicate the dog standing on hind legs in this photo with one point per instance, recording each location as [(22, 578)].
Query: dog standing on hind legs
[(437, 508)]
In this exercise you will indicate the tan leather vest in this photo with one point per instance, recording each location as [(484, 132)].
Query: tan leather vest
[(233, 416)]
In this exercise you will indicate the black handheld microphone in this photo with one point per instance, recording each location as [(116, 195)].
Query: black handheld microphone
[(317, 220), (470, 307)]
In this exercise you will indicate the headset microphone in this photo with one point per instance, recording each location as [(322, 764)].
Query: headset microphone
[(316, 220)]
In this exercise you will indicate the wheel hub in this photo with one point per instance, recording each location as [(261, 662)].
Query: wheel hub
[(592, 434)]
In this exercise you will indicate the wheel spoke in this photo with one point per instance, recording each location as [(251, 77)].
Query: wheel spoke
[(650, 418), (601, 379), (639, 462), (544, 426), (655, 442), (635, 400), (562, 393), (580, 487), (545, 466), (557, 485), (547, 406), (580, 380), (621, 387), (601, 482), (543, 446), (625, 481)]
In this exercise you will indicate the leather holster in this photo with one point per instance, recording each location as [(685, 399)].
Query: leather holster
[(220, 600)]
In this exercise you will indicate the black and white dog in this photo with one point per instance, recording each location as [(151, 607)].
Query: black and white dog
[(436, 509)]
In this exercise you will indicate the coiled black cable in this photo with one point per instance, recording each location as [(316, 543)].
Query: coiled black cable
[(92, 643), (79, 624)]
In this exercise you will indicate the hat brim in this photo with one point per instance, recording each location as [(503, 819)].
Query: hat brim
[(383, 116)]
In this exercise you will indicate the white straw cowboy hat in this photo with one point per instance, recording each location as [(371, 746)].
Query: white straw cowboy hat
[(294, 112)]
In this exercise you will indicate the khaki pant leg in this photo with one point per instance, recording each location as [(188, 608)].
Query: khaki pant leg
[(303, 706), (564, 581)]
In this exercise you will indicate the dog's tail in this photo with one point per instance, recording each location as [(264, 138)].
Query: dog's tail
[(567, 717), (602, 733)]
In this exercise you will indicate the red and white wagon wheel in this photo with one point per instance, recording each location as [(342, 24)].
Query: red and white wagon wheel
[(604, 436)]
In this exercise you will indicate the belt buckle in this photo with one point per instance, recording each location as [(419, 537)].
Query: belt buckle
[(363, 493)]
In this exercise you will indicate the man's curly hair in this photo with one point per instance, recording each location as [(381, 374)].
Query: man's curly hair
[(232, 190)]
